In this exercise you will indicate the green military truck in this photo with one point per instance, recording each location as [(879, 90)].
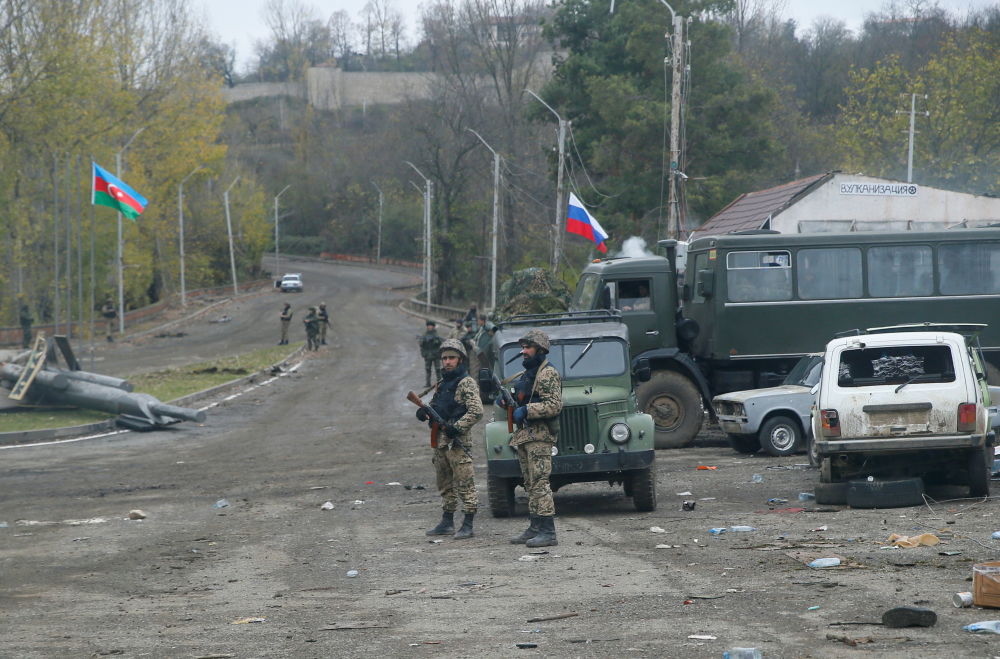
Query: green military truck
[(750, 305), (602, 434)]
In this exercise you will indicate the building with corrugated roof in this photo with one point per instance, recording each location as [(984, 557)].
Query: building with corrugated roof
[(838, 202)]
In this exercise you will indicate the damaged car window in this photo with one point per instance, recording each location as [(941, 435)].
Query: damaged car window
[(895, 365)]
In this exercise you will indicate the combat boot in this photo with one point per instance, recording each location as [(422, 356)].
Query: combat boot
[(446, 526), (528, 533), (546, 535), (466, 530)]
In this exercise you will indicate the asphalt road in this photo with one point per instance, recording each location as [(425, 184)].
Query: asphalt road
[(78, 579)]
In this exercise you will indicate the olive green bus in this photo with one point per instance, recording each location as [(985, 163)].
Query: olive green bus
[(763, 300)]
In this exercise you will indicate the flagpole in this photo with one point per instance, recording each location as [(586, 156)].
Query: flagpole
[(180, 231), (229, 231), (496, 207), (121, 276), (560, 188)]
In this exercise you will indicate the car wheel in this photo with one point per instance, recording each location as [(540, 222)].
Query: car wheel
[(980, 465), (813, 451), (887, 493), (675, 405), (780, 436), (746, 444), (831, 494), (643, 486), (500, 492)]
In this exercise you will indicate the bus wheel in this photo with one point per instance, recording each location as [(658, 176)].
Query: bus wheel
[(675, 405)]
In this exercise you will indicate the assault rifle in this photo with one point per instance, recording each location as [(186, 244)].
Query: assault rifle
[(508, 401), (437, 423)]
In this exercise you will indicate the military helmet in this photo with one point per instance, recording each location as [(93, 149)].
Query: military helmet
[(537, 337), (312, 308), (322, 305), (455, 346)]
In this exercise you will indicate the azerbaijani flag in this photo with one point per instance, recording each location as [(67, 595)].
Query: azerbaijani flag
[(582, 223), (111, 191)]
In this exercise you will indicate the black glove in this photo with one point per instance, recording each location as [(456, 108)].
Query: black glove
[(452, 432), (422, 414)]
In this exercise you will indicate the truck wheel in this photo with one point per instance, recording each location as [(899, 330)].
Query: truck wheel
[(980, 465), (500, 492), (643, 486), (831, 494), (780, 436), (746, 444), (888, 493), (675, 405)]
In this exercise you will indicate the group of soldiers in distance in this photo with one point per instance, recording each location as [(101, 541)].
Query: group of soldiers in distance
[(316, 323), (457, 406)]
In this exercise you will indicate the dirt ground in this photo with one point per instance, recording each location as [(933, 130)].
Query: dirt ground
[(78, 579)]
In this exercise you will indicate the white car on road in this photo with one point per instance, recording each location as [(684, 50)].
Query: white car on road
[(291, 283)]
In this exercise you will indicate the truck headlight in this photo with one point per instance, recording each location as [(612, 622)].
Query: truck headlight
[(620, 433)]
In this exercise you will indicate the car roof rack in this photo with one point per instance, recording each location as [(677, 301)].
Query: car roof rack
[(563, 318)]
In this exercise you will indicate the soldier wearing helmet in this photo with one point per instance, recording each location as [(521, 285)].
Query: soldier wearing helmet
[(26, 320), (311, 321), (430, 347), (539, 399), (457, 401), (286, 320), (324, 322)]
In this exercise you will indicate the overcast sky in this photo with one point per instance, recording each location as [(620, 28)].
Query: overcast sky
[(240, 22)]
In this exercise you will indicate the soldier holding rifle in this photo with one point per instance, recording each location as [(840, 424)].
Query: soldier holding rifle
[(453, 411)]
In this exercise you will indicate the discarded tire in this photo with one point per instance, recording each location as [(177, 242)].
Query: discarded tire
[(889, 493), (834, 494)]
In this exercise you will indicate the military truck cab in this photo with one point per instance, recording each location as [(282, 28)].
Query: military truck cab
[(603, 436)]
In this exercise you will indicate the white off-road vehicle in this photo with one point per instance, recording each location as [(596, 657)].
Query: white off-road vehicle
[(905, 403)]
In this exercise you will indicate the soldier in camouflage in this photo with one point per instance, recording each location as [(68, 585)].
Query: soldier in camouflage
[(430, 347), (539, 399), (457, 401)]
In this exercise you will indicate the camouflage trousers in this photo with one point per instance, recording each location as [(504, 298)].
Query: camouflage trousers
[(322, 333), (455, 479), (436, 363), (535, 459)]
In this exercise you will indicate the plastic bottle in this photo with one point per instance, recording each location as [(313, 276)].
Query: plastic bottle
[(986, 627), (352, 573), (996, 535), (807, 496), (756, 478), (741, 529), (742, 653), (825, 562), (717, 530)]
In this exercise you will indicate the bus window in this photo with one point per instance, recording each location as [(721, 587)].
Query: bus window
[(829, 274), (758, 276), (900, 270), (968, 269)]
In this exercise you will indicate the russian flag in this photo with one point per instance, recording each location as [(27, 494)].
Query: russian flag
[(582, 223), (111, 191)]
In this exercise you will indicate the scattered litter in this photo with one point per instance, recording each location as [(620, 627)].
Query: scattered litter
[(847, 640), (756, 478), (825, 562), (688, 505), (996, 535), (683, 494), (435, 542), (393, 483), (949, 553), (719, 530), (986, 626), (657, 529), (3, 525), (924, 539), (526, 646), (351, 574), (706, 597), (360, 624), (706, 468), (558, 616), (702, 637), (777, 501), (414, 487), (221, 503), (807, 496), (909, 616), (358, 502), (530, 631), (221, 319), (318, 487), (369, 482), (813, 608), (742, 529), (820, 528), (707, 499), (667, 547), (81, 539), (962, 600), (247, 621), (688, 602), (742, 653), (327, 506), (136, 514), (527, 558), (396, 591)]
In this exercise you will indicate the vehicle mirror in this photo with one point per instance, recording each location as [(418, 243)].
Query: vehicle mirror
[(642, 370), (815, 389), (704, 283), (486, 381)]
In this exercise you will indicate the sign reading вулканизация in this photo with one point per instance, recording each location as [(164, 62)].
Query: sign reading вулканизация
[(880, 189)]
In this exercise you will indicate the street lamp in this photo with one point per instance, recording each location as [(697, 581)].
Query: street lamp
[(180, 230), (121, 276), (277, 249), (378, 245), (428, 195), (496, 206), (229, 230), (560, 192)]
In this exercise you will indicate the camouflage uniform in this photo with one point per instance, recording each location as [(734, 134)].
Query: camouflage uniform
[(110, 314), (430, 345), (457, 402), (286, 320), (26, 322), (311, 321), (324, 322)]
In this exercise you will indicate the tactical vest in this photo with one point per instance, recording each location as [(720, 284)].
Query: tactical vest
[(444, 401)]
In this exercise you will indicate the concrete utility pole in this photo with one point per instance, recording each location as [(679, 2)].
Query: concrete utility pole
[(229, 230), (428, 254), (277, 247), (121, 275), (909, 150), (378, 244), (496, 218), (560, 187), (180, 230)]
